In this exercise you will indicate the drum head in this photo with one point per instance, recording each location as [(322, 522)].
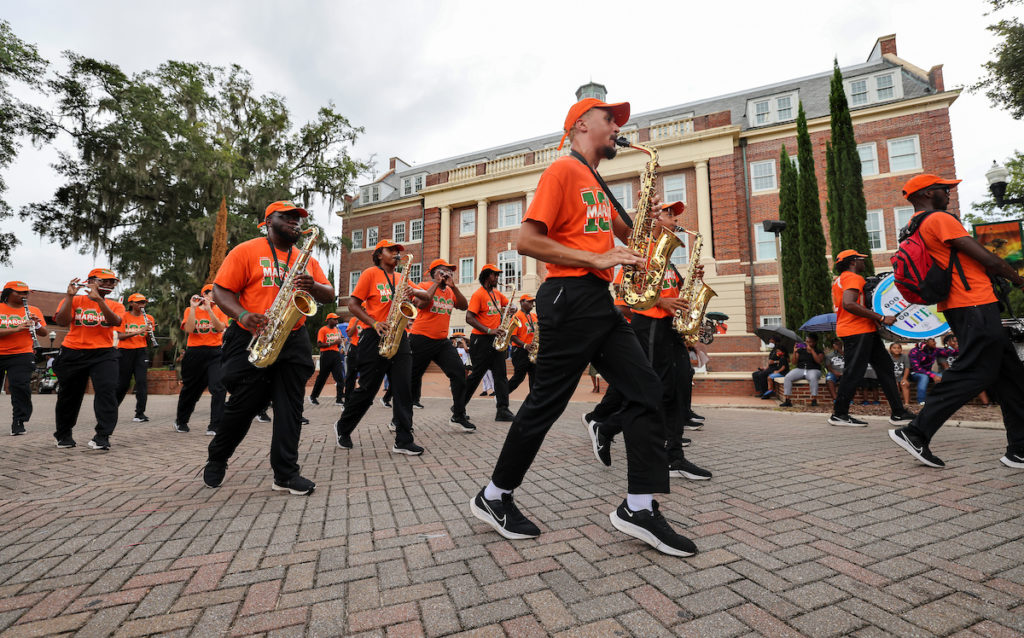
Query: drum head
[(913, 322)]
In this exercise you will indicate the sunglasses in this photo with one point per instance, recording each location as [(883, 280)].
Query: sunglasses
[(944, 189)]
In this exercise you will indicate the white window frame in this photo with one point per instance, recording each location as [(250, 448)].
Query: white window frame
[(353, 279), (871, 89), (676, 185), (372, 236), (416, 272), (415, 230), (765, 110), (778, 108), (855, 99), (761, 238), (917, 153), (879, 218), (398, 232), (681, 256), (510, 262), (510, 214), (406, 186), (468, 215), (897, 213), (417, 183), (770, 320), (864, 148), (467, 270), (357, 239), (754, 177), (623, 191)]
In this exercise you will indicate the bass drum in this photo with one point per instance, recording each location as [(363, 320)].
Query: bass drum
[(913, 322)]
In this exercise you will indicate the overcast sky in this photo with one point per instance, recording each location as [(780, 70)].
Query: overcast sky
[(429, 80)]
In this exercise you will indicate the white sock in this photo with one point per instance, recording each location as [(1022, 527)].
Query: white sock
[(637, 502), (493, 493)]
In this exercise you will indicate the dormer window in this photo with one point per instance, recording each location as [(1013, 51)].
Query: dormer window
[(772, 109), (370, 194), (877, 87), (411, 185)]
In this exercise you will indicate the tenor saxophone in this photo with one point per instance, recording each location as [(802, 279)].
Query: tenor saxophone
[(508, 321), (400, 314), (289, 305), (689, 324), (641, 285)]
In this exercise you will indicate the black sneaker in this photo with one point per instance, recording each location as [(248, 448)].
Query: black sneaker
[(696, 417), (814, 403), (141, 418), (901, 418), (684, 469), (918, 450), (684, 442), (17, 428), (99, 442), (483, 394), (303, 420), (693, 425), (600, 443), (213, 473), (786, 404), (66, 442), (345, 441), (211, 432), (463, 422), (296, 485), (1013, 460), (846, 420), (503, 516), (385, 402), (263, 417), (180, 427), (417, 404), (504, 415), (410, 449), (340, 401), (652, 528), (313, 401)]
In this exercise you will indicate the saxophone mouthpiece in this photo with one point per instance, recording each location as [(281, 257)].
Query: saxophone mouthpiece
[(623, 142)]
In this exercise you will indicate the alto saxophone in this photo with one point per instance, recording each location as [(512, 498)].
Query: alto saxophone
[(689, 324), (288, 306), (508, 320), (400, 314), (533, 348), (641, 285)]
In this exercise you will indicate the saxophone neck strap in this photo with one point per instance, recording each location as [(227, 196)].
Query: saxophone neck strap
[(497, 306), (607, 191), (391, 280), (278, 279)]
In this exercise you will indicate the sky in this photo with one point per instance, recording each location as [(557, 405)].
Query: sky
[(431, 80)]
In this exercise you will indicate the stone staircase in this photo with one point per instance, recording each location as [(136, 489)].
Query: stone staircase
[(733, 359)]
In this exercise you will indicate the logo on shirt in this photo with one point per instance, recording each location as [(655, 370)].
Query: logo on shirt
[(203, 326), (332, 338), (12, 321), (492, 309), (88, 317), (270, 274), (385, 292), (599, 211), (442, 305)]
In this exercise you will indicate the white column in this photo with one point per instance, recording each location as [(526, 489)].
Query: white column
[(446, 230), (481, 234), (704, 217), (531, 281)]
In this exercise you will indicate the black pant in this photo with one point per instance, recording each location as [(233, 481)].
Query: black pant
[(351, 370), (18, 368), (580, 325), (134, 363), (284, 382), (443, 353), (760, 378), (521, 368), (987, 360), (858, 352), (201, 369), (372, 368), (331, 363), (484, 357), (74, 369)]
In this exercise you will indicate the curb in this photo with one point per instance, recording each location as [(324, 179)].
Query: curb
[(981, 425)]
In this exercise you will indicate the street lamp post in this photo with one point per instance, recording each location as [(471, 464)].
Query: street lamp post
[(776, 226), (997, 176)]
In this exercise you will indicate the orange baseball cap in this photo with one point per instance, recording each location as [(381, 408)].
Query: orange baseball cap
[(620, 111), (331, 315), (526, 297), (674, 207), (491, 267), (387, 243), (280, 207), (920, 182), (846, 254), (136, 297), (16, 286), (439, 262), (102, 273), (206, 288)]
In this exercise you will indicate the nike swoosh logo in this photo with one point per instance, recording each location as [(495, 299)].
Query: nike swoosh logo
[(629, 513), (501, 520)]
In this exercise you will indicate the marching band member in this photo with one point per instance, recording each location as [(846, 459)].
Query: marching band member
[(526, 330), (245, 288), (204, 323), (355, 328), (332, 362), (132, 341), (486, 306), (88, 352), (17, 356)]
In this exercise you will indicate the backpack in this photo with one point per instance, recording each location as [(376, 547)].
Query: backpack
[(918, 277)]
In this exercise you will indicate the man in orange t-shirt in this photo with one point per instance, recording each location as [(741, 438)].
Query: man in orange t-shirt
[(328, 340), (429, 340), (370, 302), (245, 288), (355, 327), (204, 325), (525, 325), (483, 314), (132, 339), (88, 352), (17, 355), (987, 358), (857, 325)]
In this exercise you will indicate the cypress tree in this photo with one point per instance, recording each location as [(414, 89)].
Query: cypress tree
[(815, 283), (835, 229), (789, 260)]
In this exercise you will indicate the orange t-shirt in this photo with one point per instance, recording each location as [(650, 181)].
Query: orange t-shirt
[(576, 212), (937, 230), (330, 336), (13, 317), (203, 333), (527, 327), (433, 322), (249, 271), (847, 323), (353, 331), (375, 291), (87, 330), (131, 322), (487, 313)]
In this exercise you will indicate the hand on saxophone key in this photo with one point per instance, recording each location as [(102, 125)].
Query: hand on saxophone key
[(253, 322), (615, 256), (305, 282), (381, 327), (673, 305)]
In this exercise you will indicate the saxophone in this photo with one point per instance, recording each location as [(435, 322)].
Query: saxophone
[(400, 314), (641, 285), (288, 306), (533, 348), (508, 321), (690, 324)]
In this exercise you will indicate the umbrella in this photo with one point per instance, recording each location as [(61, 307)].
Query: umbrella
[(820, 323), (783, 336)]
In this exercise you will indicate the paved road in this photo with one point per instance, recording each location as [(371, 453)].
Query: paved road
[(805, 529)]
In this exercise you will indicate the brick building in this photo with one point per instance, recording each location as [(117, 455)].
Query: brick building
[(720, 156)]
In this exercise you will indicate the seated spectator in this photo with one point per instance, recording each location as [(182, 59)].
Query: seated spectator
[(835, 363), (777, 367), (870, 386), (806, 360), (901, 368), (922, 360)]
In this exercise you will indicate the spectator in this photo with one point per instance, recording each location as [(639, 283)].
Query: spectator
[(777, 366), (870, 386), (922, 359), (595, 379), (806, 359), (901, 368), (835, 363)]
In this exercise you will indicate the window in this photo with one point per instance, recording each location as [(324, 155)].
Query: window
[(510, 214), (784, 108), (764, 244), (353, 278), (771, 320), (417, 183), (467, 270), (772, 109), (681, 255), (884, 89), (795, 162), (876, 230), (761, 112), (371, 237), (370, 194), (675, 188), (411, 185), (763, 176), (903, 215), (467, 221), (623, 192), (858, 92), (904, 154), (869, 89), (406, 186), (509, 263), (357, 240), (868, 158), (398, 232), (416, 230), (416, 273)]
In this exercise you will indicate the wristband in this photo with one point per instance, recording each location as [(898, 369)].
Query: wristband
[(242, 314)]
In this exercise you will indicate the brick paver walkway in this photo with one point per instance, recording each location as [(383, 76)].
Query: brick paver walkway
[(805, 530)]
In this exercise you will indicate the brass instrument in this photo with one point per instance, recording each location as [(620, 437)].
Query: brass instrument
[(508, 321), (288, 306), (641, 285), (149, 329), (31, 325), (690, 324), (400, 314), (533, 348)]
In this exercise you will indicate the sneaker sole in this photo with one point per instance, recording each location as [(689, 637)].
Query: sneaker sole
[(93, 446), (638, 532), (593, 437), (211, 433), (282, 488), (462, 427), (398, 450), (693, 427), (65, 447), (1008, 463), (844, 424), (688, 475), (486, 517), (899, 422), (344, 447), (910, 448)]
